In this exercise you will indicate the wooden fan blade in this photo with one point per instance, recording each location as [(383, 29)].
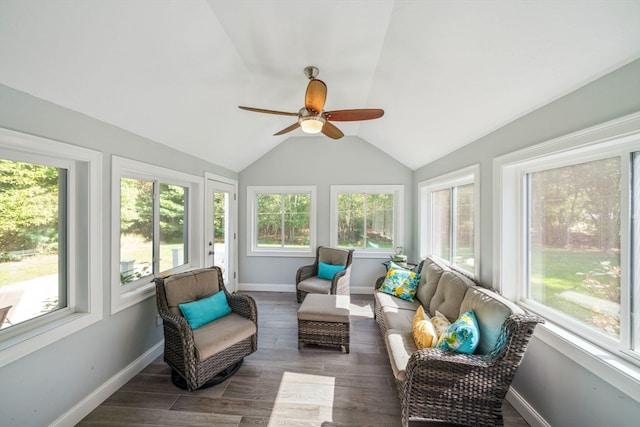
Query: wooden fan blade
[(262, 110), (354, 115), (331, 131), (294, 126), (316, 95)]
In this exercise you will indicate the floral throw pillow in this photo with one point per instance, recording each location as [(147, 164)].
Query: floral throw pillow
[(462, 336), (401, 283)]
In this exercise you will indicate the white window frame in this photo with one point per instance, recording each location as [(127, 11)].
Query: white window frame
[(84, 299), (398, 216), (612, 361), (123, 296), (465, 176), (252, 221)]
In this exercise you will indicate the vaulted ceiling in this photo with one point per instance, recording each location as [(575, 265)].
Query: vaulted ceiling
[(446, 72)]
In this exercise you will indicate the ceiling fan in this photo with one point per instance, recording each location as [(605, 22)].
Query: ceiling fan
[(312, 118)]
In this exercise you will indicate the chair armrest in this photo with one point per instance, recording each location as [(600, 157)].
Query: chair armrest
[(340, 282), (244, 305), (305, 272)]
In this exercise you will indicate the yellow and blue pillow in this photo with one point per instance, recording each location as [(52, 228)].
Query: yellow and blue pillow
[(462, 336), (400, 282)]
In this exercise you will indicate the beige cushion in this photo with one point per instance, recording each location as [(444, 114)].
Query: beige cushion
[(386, 300), (315, 285), (430, 276), (399, 319), (190, 286), (400, 347), (491, 310), (449, 294), (333, 256), (325, 308), (220, 334)]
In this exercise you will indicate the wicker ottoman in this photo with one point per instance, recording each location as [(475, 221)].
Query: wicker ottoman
[(324, 320)]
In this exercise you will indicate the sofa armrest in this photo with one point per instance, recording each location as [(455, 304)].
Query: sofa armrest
[(379, 282)]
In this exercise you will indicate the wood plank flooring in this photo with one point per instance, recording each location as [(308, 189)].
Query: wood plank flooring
[(278, 385)]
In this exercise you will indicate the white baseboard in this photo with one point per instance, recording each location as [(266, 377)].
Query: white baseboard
[(279, 287), (74, 415), (525, 410)]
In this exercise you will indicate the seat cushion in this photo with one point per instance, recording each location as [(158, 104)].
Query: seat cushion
[(399, 319), (325, 308), (220, 334), (400, 347), (449, 295), (315, 285), (386, 300), (491, 310)]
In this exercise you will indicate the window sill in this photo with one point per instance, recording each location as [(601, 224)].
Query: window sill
[(611, 368), (124, 300)]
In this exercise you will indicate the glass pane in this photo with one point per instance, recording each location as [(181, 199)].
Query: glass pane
[(379, 213), (575, 242), (173, 226), (269, 220), (351, 220), (441, 233), (136, 229), (297, 214), (220, 209), (464, 228), (32, 198)]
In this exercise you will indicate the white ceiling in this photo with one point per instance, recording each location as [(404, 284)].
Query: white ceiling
[(446, 72)]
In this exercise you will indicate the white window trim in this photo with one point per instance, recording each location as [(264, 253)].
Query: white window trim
[(618, 368), (35, 335), (137, 291), (468, 175), (398, 216), (252, 221)]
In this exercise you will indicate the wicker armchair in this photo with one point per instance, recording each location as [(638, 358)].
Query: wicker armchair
[(198, 356), (307, 280), (465, 389)]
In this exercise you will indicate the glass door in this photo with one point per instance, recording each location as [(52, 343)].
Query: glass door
[(221, 238)]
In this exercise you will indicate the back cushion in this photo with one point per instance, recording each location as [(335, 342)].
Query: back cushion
[(430, 276), (491, 311), (333, 256), (190, 286), (449, 295)]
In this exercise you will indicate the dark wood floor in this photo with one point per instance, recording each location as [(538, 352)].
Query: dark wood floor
[(277, 385)]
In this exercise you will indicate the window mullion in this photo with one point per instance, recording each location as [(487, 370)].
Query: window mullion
[(156, 227), (453, 234)]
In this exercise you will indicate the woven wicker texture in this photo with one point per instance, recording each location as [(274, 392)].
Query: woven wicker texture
[(458, 388), (329, 334), (179, 347)]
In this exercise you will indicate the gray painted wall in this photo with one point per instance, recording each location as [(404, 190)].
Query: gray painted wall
[(561, 391), (321, 162), (39, 388)]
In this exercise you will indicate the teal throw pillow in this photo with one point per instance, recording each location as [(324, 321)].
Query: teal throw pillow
[(462, 336), (199, 313), (401, 283), (327, 271)]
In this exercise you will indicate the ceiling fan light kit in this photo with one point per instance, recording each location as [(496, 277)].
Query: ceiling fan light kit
[(312, 118)]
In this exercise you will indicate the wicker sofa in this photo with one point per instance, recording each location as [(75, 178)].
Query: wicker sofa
[(439, 385)]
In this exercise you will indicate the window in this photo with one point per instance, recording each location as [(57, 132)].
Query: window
[(367, 218), (566, 235), (281, 220), (154, 227), (448, 218), (49, 242)]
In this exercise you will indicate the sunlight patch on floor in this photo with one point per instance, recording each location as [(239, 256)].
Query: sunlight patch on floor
[(303, 389)]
